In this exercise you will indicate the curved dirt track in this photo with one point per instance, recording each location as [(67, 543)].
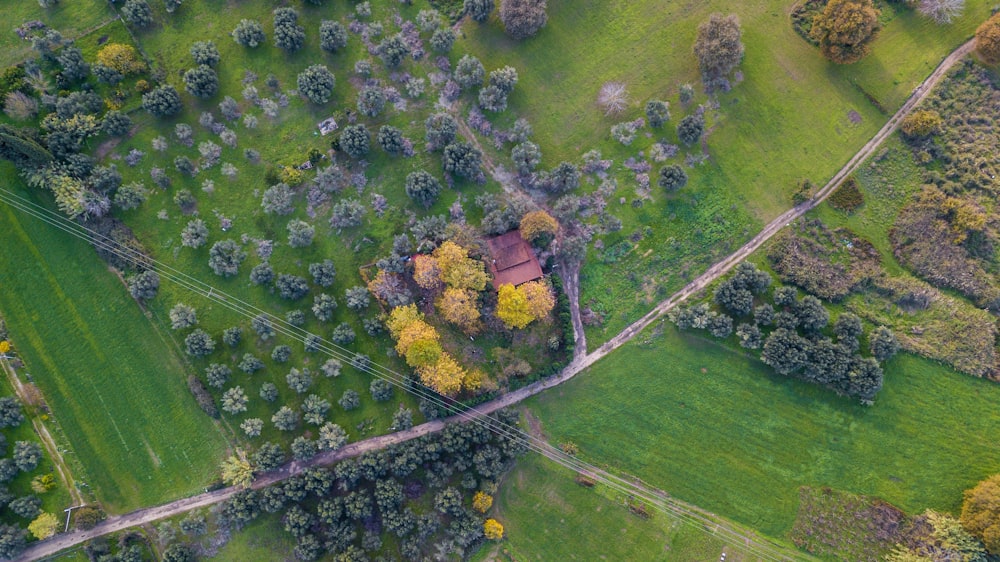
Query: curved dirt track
[(580, 362)]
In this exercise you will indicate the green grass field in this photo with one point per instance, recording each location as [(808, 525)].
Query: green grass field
[(541, 506), (72, 18), (771, 131), (114, 384), (716, 428)]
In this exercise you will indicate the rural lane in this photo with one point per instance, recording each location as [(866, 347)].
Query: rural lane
[(580, 362)]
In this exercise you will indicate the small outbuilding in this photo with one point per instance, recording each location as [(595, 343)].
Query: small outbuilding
[(512, 260), (327, 126)]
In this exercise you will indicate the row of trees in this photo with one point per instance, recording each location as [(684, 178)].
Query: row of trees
[(429, 493)]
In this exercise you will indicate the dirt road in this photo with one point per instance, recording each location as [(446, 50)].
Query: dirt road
[(580, 362)]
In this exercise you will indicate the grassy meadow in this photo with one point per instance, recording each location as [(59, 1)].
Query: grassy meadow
[(716, 428), (773, 116), (113, 381), (540, 505)]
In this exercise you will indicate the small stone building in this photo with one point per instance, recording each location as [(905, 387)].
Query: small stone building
[(512, 260)]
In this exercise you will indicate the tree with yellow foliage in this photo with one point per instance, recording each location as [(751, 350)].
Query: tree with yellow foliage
[(423, 352), (444, 377), (981, 513), (122, 58), (427, 273), (539, 227), (493, 529), (401, 317), (512, 307), (458, 306), (540, 297), (988, 39), (458, 269), (4, 346), (416, 331), (482, 502), (476, 379), (44, 526), (237, 471)]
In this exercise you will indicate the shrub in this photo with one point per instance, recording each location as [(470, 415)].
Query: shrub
[(523, 18), (847, 197), (316, 83), (122, 58), (920, 123), (988, 39)]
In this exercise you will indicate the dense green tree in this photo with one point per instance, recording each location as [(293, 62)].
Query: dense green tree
[(526, 157), (182, 316), (277, 199), (232, 336), (234, 401), (720, 325), (343, 334), (262, 274), (316, 83), (332, 36), (402, 420), (355, 141), (116, 123), (657, 112), (371, 101), (811, 313), (26, 455), (205, 53), (144, 285), (162, 102), (281, 353), (199, 344), (217, 375), (381, 390), (288, 34), (291, 287), (563, 179), (350, 400), (331, 437), (261, 324), (785, 351), (137, 13), (299, 380), (285, 419), (463, 159), (391, 139), (883, 343), (392, 50), (750, 336), (523, 18), (249, 33), (225, 258), (423, 188), (441, 129), (479, 10), (690, 129), (848, 329), (672, 177), (303, 449), (74, 68), (300, 233), (10, 412), (469, 72), (442, 39)]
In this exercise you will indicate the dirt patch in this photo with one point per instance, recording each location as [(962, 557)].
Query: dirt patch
[(854, 117)]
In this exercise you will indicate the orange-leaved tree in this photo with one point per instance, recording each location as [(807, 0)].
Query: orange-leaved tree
[(427, 273), (845, 30), (981, 513), (988, 39), (540, 297)]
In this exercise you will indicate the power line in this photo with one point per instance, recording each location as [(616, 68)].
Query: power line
[(467, 413)]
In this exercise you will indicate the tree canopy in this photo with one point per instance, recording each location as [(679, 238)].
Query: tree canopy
[(845, 30)]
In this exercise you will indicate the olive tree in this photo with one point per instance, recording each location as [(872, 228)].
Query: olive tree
[(332, 36), (249, 33), (422, 187), (523, 18), (162, 102)]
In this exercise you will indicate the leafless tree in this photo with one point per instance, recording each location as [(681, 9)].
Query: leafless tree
[(613, 97), (941, 11)]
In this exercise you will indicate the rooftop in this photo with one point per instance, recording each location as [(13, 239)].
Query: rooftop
[(512, 260)]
